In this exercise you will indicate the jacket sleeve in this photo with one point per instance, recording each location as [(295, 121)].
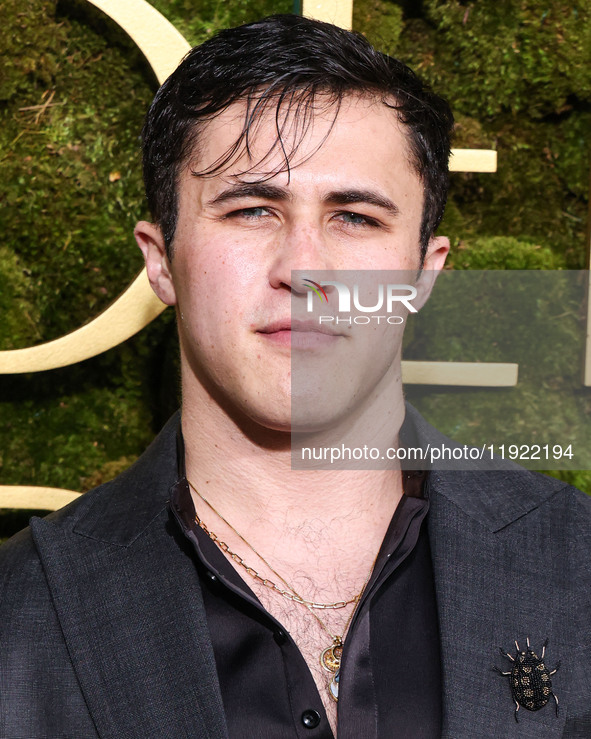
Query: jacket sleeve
[(39, 692)]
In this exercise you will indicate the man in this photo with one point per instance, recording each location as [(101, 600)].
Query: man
[(214, 591)]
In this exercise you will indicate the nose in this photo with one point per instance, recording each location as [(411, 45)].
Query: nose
[(299, 251)]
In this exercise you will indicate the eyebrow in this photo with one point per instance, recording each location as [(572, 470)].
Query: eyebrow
[(251, 190), (350, 197), (273, 192)]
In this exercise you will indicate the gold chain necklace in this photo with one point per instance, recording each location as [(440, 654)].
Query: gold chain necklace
[(330, 658), (252, 572)]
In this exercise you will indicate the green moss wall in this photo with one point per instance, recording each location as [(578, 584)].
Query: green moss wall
[(73, 92)]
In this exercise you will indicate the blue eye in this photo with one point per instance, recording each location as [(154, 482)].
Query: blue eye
[(356, 219), (256, 212), (353, 218)]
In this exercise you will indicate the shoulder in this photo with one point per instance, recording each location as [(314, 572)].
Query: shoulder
[(494, 492), (20, 569), (519, 531), (50, 571), (500, 498), (120, 507)]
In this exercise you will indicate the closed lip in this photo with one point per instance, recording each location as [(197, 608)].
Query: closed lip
[(300, 326)]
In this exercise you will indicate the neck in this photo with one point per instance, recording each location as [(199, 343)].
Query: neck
[(246, 472)]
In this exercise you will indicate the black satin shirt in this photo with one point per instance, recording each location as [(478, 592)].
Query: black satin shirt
[(390, 678)]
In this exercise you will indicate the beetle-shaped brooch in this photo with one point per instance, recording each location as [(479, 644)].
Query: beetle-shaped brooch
[(529, 678)]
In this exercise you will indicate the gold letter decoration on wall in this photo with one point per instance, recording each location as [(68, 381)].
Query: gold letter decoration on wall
[(164, 47)]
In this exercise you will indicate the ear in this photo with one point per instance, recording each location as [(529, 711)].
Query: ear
[(151, 241), (437, 252)]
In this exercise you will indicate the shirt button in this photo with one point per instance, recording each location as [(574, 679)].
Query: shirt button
[(280, 637), (310, 719)]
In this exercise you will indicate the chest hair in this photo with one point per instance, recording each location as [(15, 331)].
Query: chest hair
[(310, 638)]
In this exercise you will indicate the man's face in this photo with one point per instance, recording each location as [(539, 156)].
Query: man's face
[(353, 202)]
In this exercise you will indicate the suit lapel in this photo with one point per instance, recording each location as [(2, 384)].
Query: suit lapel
[(129, 603), (485, 600)]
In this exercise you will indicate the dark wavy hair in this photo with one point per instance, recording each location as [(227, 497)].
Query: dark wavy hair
[(298, 66)]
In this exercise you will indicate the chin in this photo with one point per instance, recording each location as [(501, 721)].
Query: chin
[(276, 420), (310, 414)]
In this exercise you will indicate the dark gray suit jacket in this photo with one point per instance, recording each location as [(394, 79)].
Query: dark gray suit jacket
[(103, 631)]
